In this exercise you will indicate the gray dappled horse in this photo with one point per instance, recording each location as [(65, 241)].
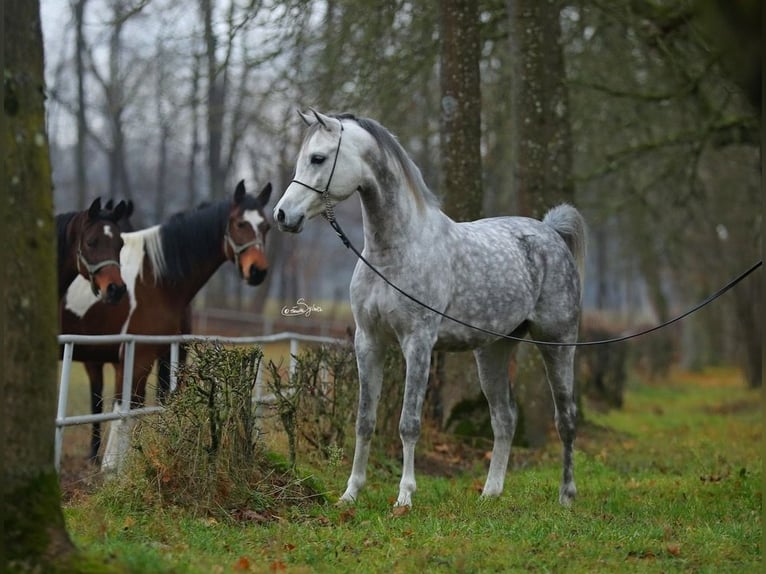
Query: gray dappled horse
[(509, 275)]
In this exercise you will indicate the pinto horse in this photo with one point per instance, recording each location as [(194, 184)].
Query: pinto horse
[(88, 244), (164, 267), (501, 278)]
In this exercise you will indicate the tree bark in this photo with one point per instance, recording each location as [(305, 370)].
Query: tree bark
[(542, 161), (461, 109), (215, 104), (81, 171), (34, 535), (460, 139), (540, 107)]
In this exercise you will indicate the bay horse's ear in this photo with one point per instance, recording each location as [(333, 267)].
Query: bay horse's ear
[(306, 118), (119, 211), (263, 197), (128, 208), (319, 118), (94, 209), (109, 206), (239, 192)]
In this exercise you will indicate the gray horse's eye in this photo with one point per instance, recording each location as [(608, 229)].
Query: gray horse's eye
[(317, 159)]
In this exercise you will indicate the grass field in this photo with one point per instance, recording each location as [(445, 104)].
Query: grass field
[(671, 483)]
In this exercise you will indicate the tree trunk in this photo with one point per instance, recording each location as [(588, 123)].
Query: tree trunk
[(542, 161), (194, 194), (34, 535), (119, 182), (81, 171), (164, 123), (540, 107), (461, 109), (215, 104), (460, 140)]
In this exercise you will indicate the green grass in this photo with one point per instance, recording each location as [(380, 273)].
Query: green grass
[(672, 483)]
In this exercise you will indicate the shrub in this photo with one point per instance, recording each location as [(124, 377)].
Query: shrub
[(317, 402), (202, 452)]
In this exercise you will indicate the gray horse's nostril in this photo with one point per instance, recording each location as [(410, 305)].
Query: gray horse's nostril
[(281, 216)]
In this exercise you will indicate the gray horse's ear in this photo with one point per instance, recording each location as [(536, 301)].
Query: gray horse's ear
[(306, 118), (319, 118)]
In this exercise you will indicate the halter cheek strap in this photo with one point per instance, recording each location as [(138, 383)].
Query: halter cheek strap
[(237, 249), (92, 269), (329, 211)]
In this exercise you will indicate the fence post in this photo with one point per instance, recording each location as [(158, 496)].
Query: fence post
[(293, 355), (174, 351), (66, 369)]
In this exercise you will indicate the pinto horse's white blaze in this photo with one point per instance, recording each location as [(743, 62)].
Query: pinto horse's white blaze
[(256, 220), (503, 274), (108, 231)]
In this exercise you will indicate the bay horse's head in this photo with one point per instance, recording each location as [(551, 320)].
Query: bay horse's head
[(246, 229), (95, 237)]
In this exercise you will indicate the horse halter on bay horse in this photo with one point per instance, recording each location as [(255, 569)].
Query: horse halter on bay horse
[(89, 245), (245, 234)]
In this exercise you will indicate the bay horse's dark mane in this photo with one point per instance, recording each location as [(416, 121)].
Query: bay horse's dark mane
[(62, 244), (192, 236)]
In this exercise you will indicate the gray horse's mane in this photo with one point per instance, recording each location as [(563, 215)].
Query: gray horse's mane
[(390, 146)]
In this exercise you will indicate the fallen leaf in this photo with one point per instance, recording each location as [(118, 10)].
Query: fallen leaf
[(277, 566), (400, 511), (442, 448), (242, 564), (346, 515), (289, 547), (674, 549)]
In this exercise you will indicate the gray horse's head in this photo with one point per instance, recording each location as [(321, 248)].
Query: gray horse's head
[(328, 170)]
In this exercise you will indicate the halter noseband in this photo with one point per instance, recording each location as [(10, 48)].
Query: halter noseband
[(329, 212), (237, 249), (92, 269)]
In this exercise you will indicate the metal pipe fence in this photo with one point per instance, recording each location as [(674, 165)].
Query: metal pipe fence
[(175, 341)]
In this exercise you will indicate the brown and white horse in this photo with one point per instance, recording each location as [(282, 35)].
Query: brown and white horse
[(164, 267), (88, 244)]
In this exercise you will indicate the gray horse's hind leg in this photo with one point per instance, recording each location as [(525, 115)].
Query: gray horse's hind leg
[(369, 358), (493, 362), (559, 366)]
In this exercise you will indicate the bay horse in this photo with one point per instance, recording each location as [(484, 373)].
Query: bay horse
[(88, 244), (164, 267), (508, 275)]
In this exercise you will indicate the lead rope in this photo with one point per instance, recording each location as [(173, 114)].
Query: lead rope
[(344, 238), (329, 214)]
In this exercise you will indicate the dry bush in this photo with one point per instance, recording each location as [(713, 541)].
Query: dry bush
[(317, 403), (202, 452)]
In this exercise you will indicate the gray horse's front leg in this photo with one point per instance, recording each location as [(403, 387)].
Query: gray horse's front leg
[(417, 353), (369, 360)]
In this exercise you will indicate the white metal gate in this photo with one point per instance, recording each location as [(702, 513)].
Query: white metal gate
[(129, 342)]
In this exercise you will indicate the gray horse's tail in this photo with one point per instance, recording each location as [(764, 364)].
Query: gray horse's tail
[(570, 225)]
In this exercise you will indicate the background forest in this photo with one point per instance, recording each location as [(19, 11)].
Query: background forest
[(635, 111)]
